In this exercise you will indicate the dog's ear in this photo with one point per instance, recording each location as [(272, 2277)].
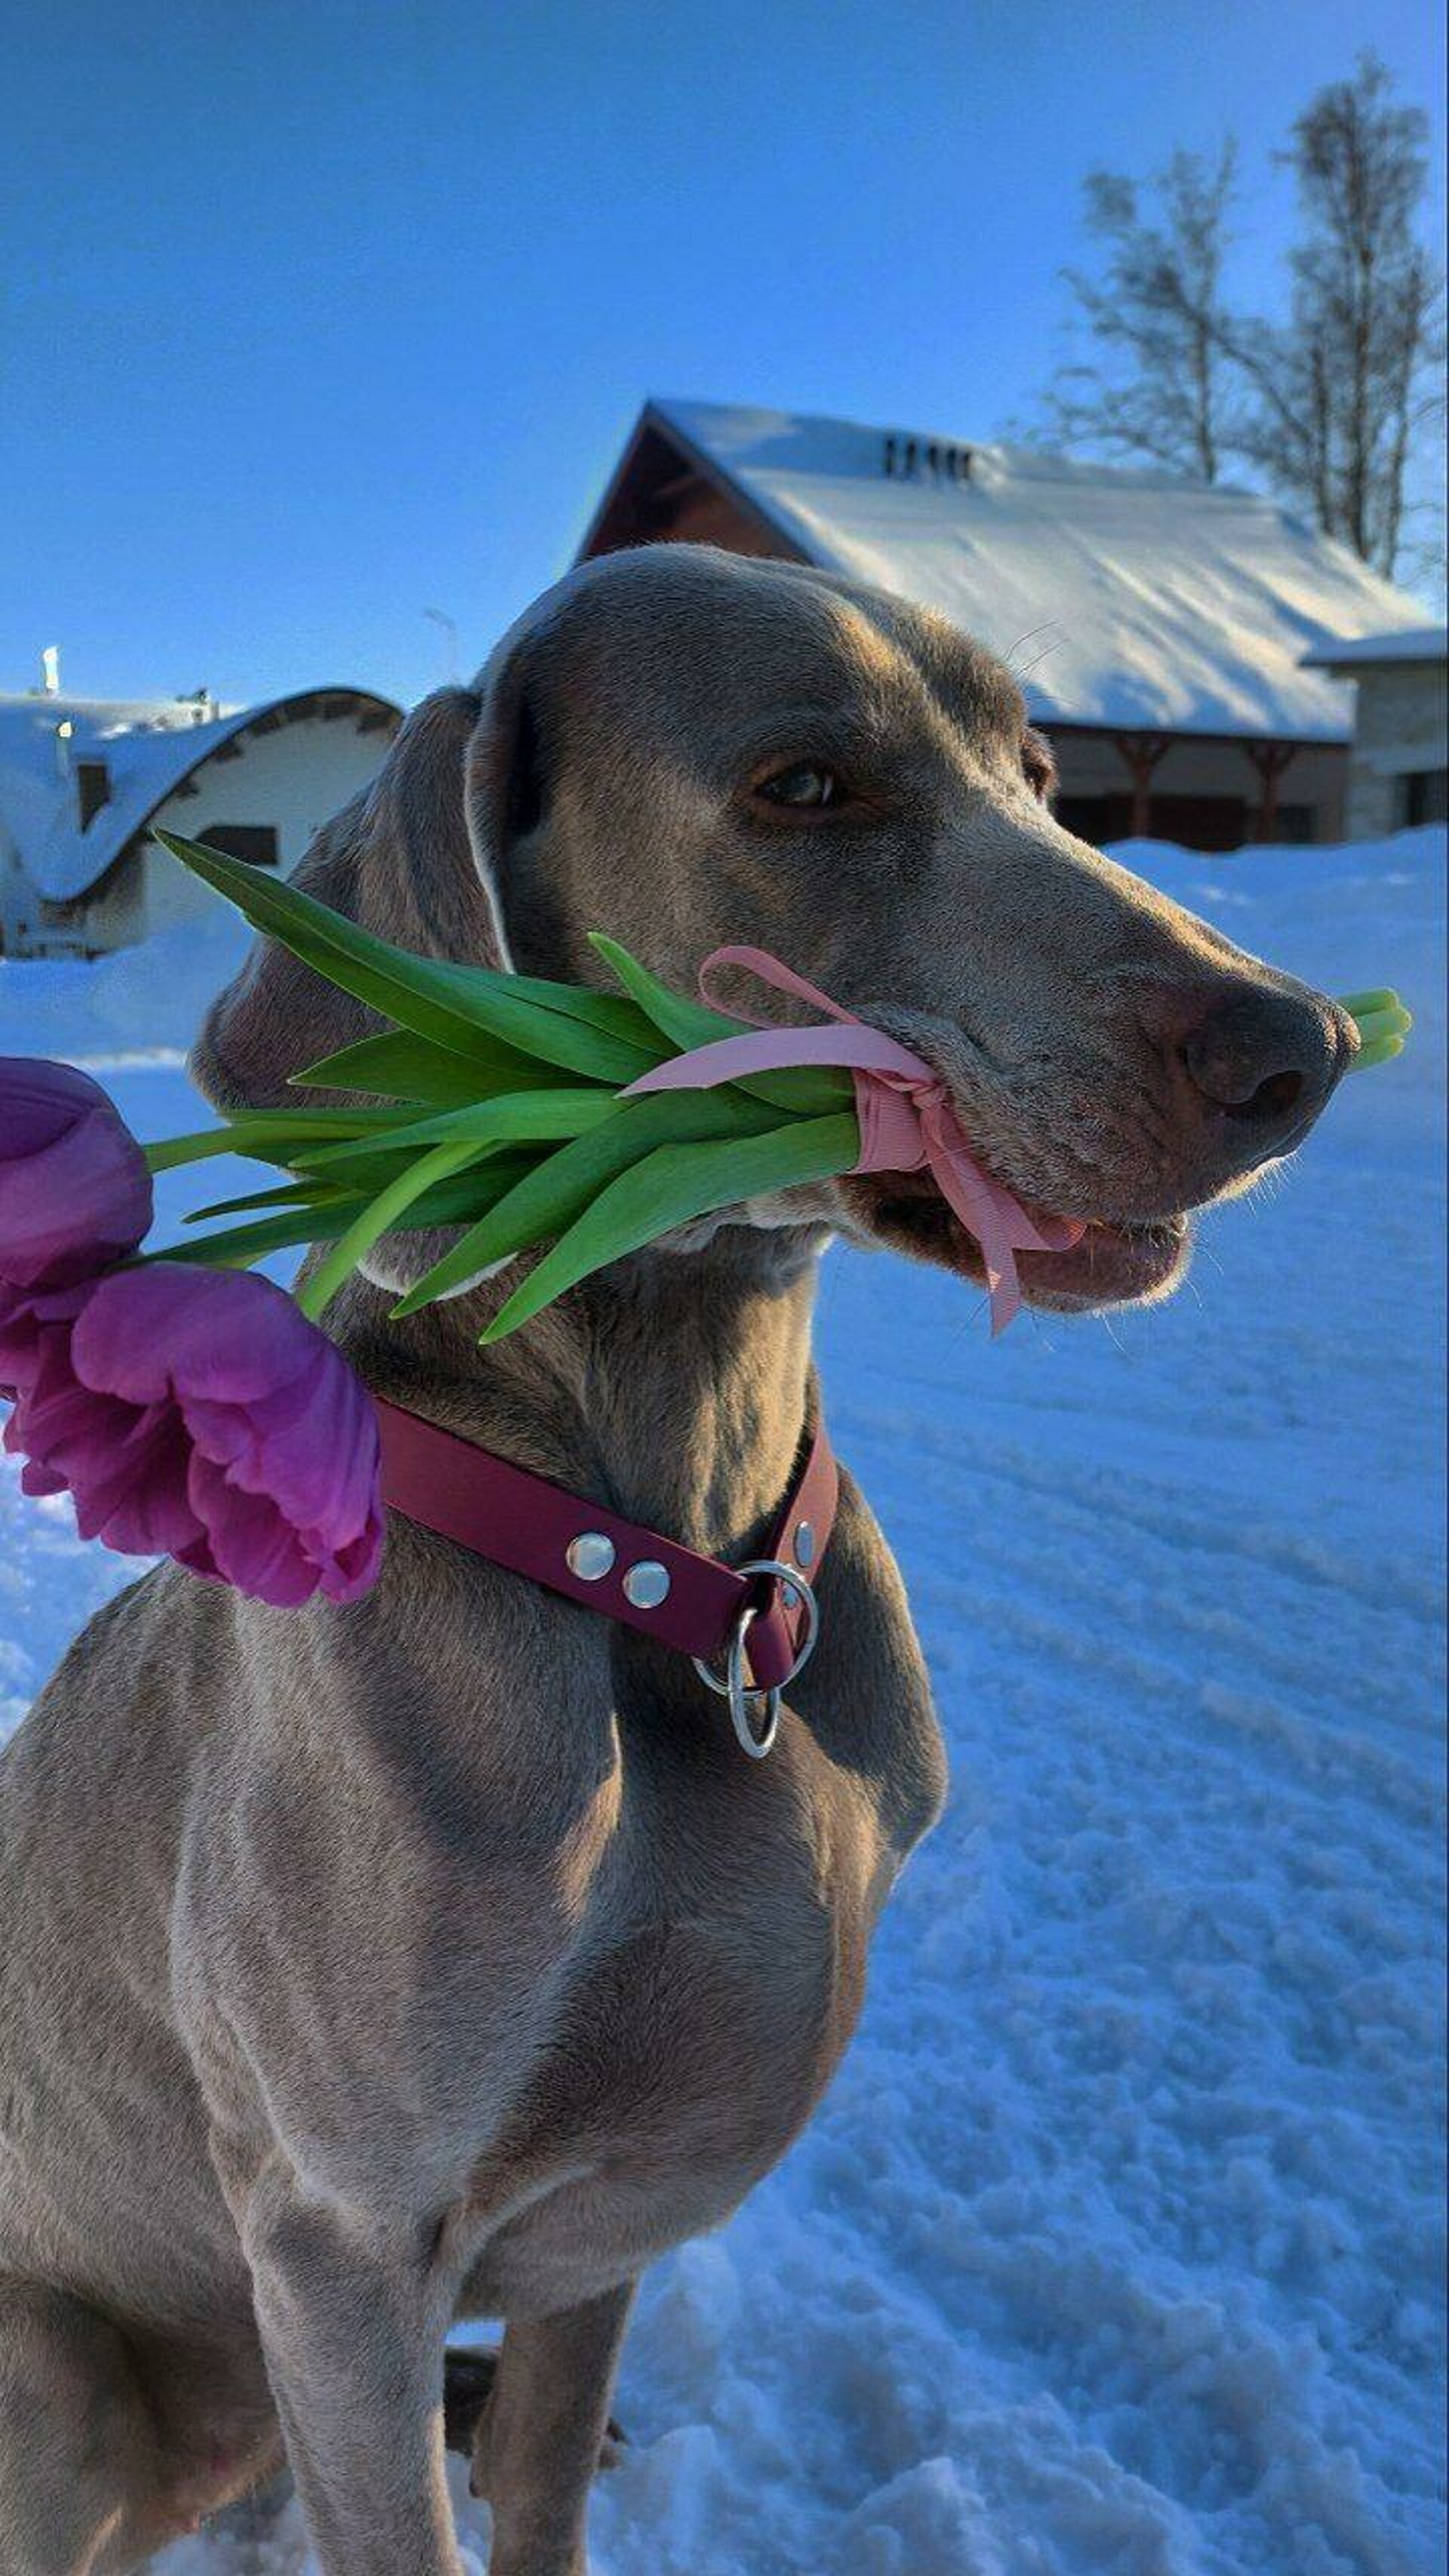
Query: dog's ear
[(506, 792), (515, 775), (399, 860)]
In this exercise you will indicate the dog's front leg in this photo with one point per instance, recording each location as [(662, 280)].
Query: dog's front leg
[(539, 2445), (352, 2319)]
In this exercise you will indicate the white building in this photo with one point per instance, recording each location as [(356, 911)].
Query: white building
[(1160, 627), (84, 782), (1398, 769)]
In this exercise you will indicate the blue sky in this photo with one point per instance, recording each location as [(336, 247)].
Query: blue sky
[(319, 317)]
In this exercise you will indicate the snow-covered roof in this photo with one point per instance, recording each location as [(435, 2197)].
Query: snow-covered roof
[(1405, 644), (150, 746), (1120, 598)]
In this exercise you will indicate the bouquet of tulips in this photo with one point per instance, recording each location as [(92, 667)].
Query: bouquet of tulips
[(192, 1408), (511, 1116)]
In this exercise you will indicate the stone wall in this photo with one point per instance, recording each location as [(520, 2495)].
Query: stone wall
[(1402, 727)]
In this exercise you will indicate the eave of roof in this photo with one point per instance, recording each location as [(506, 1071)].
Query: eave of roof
[(1406, 644)]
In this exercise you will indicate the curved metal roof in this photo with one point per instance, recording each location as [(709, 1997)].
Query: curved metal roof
[(150, 747)]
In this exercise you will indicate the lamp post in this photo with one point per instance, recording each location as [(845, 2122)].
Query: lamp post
[(449, 625)]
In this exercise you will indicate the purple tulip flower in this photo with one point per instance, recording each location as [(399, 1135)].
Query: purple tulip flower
[(75, 1192), (198, 1414)]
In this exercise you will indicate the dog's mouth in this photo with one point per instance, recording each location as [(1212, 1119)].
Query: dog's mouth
[(1116, 1263)]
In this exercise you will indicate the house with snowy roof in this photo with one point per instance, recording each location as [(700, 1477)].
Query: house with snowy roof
[(1398, 771), (1159, 627), (85, 783)]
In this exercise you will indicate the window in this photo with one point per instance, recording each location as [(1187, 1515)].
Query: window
[(1094, 818), (1421, 796), (255, 842), (93, 789), (1195, 822)]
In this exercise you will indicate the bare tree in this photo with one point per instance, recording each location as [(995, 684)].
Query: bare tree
[(1335, 404), (1155, 385), (1344, 392)]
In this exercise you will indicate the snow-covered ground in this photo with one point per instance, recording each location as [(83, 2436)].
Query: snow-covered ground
[(1116, 2246)]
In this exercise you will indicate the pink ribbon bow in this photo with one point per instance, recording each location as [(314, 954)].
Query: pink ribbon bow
[(907, 1123)]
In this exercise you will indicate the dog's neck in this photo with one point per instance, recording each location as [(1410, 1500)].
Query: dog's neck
[(674, 1387)]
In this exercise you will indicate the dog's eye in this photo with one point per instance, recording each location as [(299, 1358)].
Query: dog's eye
[(804, 785)]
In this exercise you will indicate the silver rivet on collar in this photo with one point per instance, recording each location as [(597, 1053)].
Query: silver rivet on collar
[(646, 1584), (590, 1556), (804, 1543)]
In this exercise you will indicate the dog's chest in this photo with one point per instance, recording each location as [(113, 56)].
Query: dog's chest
[(684, 2057)]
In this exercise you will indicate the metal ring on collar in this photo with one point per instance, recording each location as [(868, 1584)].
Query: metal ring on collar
[(734, 1687)]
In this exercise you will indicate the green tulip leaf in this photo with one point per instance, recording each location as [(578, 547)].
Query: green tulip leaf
[(672, 1186), (298, 1194), (399, 1065), (551, 1197), (446, 1003), (811, 1090), (454, 1202), (517, 1117), (381, 1213), (270, 1137)]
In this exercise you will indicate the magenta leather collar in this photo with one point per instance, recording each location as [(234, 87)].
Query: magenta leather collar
[(748, 1629)]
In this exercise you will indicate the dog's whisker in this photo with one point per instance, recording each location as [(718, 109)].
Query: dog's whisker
[(1049, 626), (1025, 670)]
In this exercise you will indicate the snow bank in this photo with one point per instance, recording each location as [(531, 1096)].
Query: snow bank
[(1116, 2246), (139, 1005)]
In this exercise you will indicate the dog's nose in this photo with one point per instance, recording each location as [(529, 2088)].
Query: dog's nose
[(1267, 1061)]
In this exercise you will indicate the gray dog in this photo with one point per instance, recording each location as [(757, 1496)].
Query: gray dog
[(441, 1956)]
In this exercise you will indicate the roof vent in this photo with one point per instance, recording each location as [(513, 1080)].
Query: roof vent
[(903, 458)]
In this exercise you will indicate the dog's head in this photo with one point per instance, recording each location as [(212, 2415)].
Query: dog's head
[(686, 748)]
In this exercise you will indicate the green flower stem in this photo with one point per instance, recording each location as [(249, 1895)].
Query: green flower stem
[(253, 1135), (559, 1189), (381, 1212), (1383, 1024), (673, 1185), (523, 1116)]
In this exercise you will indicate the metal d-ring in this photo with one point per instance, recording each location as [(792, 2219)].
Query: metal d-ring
[(734, 1687)]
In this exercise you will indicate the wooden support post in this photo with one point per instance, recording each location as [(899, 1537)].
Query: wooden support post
[(1270, 759), (1142, 752)]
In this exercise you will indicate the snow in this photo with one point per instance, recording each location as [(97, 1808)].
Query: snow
[(1123, 597), (1116, 2245)]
